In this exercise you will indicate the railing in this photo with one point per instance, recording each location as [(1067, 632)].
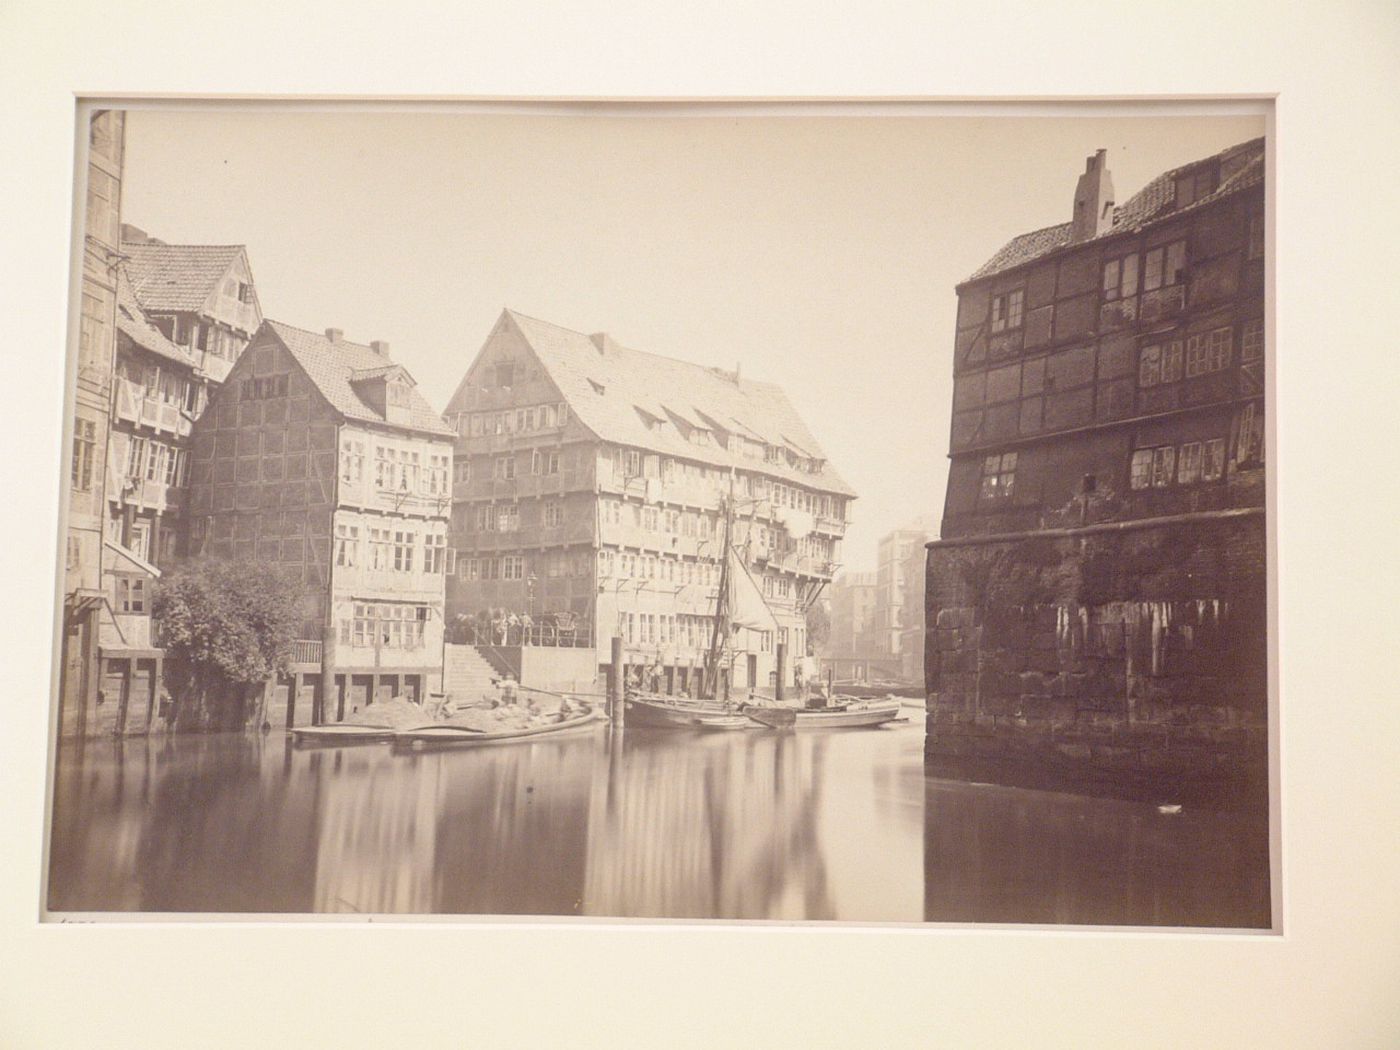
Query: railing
[(508, 635), (306, 651)]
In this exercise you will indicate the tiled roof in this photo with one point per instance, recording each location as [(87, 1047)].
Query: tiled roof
[(331, 366), (664, 387), (177, 276), (132, 323), (1154, 201)]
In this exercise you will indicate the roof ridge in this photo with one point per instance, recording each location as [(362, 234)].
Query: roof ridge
[(633, 349), (321, 335), (170, 244)]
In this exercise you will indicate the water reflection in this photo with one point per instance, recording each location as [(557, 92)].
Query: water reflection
[(643, 824)]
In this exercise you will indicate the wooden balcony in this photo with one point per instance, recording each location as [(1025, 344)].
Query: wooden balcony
[(306, 651)]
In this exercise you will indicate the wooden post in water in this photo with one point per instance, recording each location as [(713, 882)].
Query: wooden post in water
[(780, 662), (616, 679)]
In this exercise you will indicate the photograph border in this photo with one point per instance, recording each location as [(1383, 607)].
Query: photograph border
[(1328, 980)]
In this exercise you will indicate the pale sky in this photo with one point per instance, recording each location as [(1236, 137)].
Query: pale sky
[(819, 252)]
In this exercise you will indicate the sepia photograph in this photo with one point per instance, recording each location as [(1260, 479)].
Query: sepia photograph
[(655, 513)]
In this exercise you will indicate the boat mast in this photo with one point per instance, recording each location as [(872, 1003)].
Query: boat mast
[(719, 636)]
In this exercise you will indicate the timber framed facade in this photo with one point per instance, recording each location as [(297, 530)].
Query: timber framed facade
[(1101, 567), (319, 456), (588, 486)]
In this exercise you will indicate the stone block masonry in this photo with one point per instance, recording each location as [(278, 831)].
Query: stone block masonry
[(1130, 657)]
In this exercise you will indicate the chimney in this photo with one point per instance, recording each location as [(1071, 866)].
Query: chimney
[(1093, 200), (380, 347), (334, 334), (602, 341), (134, 234)]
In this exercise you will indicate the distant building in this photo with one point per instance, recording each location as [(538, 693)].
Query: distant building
[(587, 490), (321, 457), (1102, 548), (82, 704), (894, 588), (854, 652)]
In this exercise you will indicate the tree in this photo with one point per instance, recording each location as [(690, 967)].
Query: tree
[(818, 625), (225, 627)]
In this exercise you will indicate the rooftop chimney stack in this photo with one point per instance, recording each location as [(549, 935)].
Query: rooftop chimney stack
[(602, 341), (334, 334), (1093, 200), (380, 347)]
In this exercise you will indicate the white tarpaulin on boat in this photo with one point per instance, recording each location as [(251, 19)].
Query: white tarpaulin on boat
[(747, 607)]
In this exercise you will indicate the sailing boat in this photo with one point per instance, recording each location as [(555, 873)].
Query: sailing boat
[(712, 709)]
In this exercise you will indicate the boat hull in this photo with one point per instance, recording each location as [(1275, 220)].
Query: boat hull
[(669, 712), (458, 736), (857, 714), (340, 735)]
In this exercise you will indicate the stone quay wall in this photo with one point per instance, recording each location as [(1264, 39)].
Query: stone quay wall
[(1129, 657)]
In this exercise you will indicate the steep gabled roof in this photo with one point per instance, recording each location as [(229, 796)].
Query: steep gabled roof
[(1154, 201), (178, 276), (632, 379), (133, 323), (335, 367)]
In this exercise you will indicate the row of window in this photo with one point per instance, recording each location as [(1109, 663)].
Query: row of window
[(543, 461), (386, 626), (203, 336), (526, 420), (163, 384), (392, 550), (263, 387), (396, 469), (1162, 267), (157, 461), (1166, 464), (625, 565)]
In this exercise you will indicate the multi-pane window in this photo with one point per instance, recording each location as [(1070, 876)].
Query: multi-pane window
[(403, 550), (352, 460), (998, 476), (135, 457), (155, 461), (1160, 364), (462, 470), (380, 548), (1163, 267), (84, 453), (1213, 460), (650, 519), (1208, 352), (172, 465), (512, 567), (1188, 468), (508, 517), (131, 594), (1252, 340), (347, 545), (468, 569), (504, 469), (553, 514), (1007, 310), (434, 554), (437, 473), (1249, 449), (1120, 278)]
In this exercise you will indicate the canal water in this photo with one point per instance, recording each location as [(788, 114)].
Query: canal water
[(760, 824)]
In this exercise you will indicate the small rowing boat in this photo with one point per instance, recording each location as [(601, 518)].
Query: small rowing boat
[(839, 713), (448, 734)]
